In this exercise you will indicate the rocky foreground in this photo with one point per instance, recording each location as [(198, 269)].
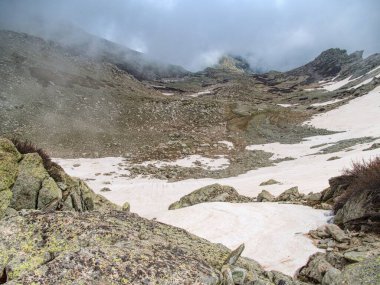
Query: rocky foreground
[(56, 230)]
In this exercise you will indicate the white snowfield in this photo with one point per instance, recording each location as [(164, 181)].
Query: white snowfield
[(274, 234)]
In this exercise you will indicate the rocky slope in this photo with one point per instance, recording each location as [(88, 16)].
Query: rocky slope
[(55, 230), (53, 88), (80, 43)]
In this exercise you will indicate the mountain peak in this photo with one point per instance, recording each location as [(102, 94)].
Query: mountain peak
[(233, 63), (328, 64)]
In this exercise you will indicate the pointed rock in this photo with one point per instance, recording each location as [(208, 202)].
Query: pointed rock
[(234, 255)]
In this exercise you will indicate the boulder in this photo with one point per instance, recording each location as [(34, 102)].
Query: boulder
[(290, 195), (337, 233), (361, 253), (210, 193), (313, 197), (28, 183), (269, 182), (316, 268), (361, 273), (49, 195), (265, 196), (279, 278), (330, 276)]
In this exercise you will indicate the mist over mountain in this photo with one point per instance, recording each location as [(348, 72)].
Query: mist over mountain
[(278, 35)]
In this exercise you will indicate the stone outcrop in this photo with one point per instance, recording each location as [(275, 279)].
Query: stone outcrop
[(25, 183), (355, 198), (210, 193), (117, 247), (345, 251)]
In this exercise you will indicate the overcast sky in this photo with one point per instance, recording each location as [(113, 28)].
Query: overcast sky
[(271, 34)]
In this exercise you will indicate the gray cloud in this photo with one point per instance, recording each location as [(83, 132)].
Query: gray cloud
[(272, 34)]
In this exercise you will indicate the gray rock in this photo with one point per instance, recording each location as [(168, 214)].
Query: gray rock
[(28, 183), (279, 278), (105, 189), (265, 196), (361, 253), (337, 233), (316, 268), (234, 255), (361, 273), (49, 194), (210, 193), (269, 182), (239, 275), (320, 232), (291, 194), (313, 197), (330, 276)]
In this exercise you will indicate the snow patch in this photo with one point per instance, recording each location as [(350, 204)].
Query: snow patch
[(326, 103), (205, 92), (229, 145), (217, 163), (336, 85), (362, 83), (287, 105)]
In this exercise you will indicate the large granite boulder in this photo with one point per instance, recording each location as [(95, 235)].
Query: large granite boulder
[(210, 193), (27, 181)]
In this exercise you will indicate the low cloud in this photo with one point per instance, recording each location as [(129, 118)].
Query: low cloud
[(277, 34)]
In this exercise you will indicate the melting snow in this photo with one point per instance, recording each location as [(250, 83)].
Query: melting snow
[(268, 230)]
